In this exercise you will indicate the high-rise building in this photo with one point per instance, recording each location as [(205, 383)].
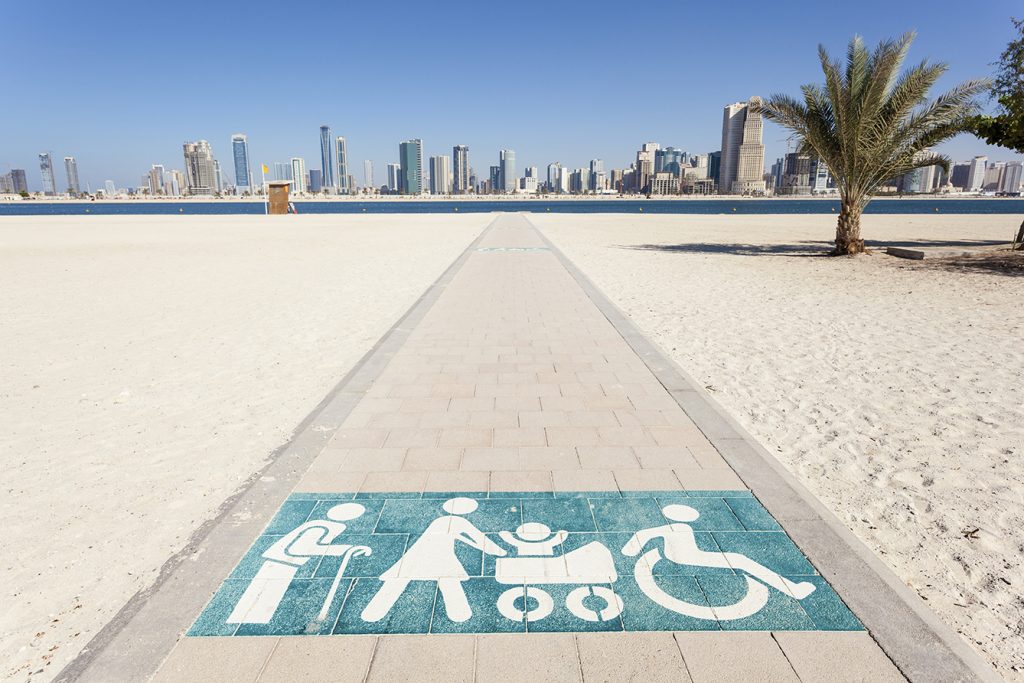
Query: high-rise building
[(200, 176), (46, 169), (596, 175), (394, 178), (109, 188), (959, 174), (742, 165), (327, 157), (507, 162), (341, 153), (367, 173), (156, 180), (19, 180), (218, 177), (440, 175), (993, 172), (282, 170), (71, 169), (1010, 182), (554, 171), (240, 151), (316, 183), (645, 167), (461, 172), (299, 175), (976, 173), (410, 157)]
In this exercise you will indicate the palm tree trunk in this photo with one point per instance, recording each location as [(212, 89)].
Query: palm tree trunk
[(848, 241)]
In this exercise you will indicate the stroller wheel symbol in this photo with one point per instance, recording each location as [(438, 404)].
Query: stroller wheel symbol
[(613, 603), (508, 609)]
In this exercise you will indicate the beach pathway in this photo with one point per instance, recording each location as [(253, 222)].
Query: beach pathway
[(515, 485)]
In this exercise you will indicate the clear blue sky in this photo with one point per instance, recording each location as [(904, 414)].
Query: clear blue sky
[(120, 85)]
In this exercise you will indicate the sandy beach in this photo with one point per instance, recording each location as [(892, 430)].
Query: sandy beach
[(894, 390), (150, 366), (153, 364)]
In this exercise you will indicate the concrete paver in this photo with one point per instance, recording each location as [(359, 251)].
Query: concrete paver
[(514, 382)]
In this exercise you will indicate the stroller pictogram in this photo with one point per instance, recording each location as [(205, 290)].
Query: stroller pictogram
[(536, 565)]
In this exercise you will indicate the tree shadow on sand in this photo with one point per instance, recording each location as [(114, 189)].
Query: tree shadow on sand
[(804, 248)]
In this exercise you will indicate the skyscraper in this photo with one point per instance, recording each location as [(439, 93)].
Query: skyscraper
[(1011, 178), (645, 166), (410, 157), (440, 175), (554, 176), (240, 150), (315, 181), (341, 152), (109, 188), (282, 170), (156, 180), (507, 162), (199, 171), (742, 166), (46, 169), (975, 173), (596, 175), (218, 178), (367, 173), (71, 168), (327, 157), (299, 175), (394, 178), (460, 158)]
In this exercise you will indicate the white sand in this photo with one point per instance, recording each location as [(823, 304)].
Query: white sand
[(893, 390), (149, 365)]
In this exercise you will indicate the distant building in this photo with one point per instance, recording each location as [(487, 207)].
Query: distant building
[(1010, 182), (507, 162), (796, 175), (993, 172), (156, 180), (976, 173), (46, 170), (529, 184), (394, 178), (299, 175), (959, 175), (110, 188), (410, 158), (367, 173), (742, 166), (200, 175), (240, 152), (644, 167), (820, 177), (218, 177), (71, 169), (596, 175), (440, 175), (316, 180), (282, 170), (341, 152), (664, 182), (460, 170), (554, 174), (327, 157), (494, 182)]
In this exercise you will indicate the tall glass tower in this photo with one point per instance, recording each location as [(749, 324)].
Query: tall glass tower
[(46, 169), (240, 150), (71, 168), (341, 151), (460, 157), (410, 157), (327, 158), (507, 165)]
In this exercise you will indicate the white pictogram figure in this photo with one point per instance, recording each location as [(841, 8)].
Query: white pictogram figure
[(283, 559), (432, 557), (681, 548), (536, 565)]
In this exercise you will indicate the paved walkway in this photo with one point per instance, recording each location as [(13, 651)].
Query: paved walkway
[(515, 393)]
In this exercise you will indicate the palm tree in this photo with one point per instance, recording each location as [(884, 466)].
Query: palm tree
[(871, 124)]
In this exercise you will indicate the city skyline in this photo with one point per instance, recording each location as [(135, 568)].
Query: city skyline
[(119, 130)]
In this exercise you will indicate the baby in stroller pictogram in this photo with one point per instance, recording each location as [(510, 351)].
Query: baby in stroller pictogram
[(536, 564)]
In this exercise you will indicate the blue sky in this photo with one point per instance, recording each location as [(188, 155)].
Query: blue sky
[(120, 85)]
